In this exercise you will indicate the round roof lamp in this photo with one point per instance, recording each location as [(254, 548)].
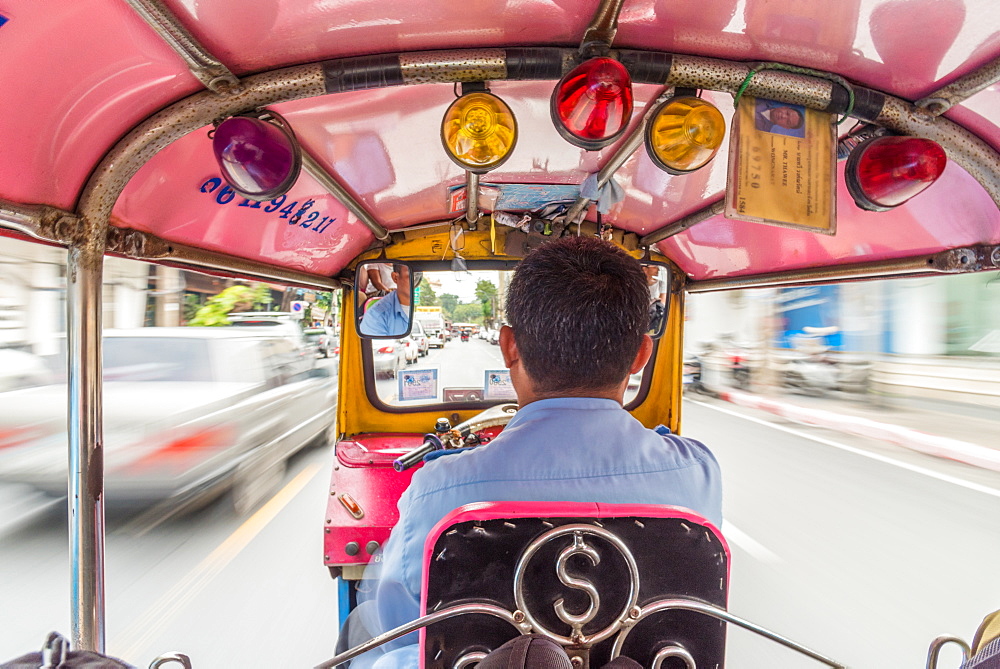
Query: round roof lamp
[(592, 105), (259, 159), (479, 131), (884, 172), (684, 134)]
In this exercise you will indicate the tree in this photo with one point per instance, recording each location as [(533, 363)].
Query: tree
[(427, 296), (448, 304), (486, 293), (470, 312), (231, 300)]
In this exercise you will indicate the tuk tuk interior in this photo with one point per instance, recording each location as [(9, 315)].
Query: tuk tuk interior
[(113, 155)]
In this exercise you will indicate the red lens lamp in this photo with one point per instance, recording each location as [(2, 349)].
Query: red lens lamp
[(258, 157), (591, 105), (884, 172)]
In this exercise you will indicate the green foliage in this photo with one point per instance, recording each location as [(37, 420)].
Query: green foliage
[(427, 296), (469, 313), (231, 300), (448, 304), (486, 293), (192, 303)]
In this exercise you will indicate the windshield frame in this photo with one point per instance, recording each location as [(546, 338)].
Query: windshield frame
[(367, 347)]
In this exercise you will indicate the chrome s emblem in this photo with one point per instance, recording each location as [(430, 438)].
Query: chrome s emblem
[(579, 547)]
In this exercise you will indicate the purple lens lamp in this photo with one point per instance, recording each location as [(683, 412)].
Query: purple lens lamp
[(258, 156)]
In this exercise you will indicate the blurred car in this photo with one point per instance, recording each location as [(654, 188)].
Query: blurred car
[(188, 413), (388, 356), (20, 369), (423, 341), (493, 336), (435, 340), (281, 321), (411, 349), (322, 339)]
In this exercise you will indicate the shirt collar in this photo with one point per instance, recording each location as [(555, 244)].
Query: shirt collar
[(579, 403)]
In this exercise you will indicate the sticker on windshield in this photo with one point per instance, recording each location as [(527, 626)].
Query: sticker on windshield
[(497, 385), (418, 385)]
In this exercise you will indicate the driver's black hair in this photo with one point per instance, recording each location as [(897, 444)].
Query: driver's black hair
[(579, 308)]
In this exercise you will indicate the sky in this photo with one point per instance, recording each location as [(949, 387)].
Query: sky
[(462, 284)]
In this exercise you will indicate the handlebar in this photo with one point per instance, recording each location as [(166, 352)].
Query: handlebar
[(494, 416), (431, 444)]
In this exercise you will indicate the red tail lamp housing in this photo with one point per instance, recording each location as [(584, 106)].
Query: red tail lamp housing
[(258, 157), (591, 105), (885, 172)]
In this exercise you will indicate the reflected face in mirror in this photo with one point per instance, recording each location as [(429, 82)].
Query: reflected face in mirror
[(384, 303), (658, 282)]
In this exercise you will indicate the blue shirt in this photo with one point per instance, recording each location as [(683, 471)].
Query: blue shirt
[(386, 318), (566, 449)]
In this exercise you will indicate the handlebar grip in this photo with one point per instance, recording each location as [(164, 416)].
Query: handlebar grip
[(431, 444)]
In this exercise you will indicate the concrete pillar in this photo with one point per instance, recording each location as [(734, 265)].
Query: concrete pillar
[(169, 291)]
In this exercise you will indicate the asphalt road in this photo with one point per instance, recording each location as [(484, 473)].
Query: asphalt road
[(857, 550), (861, 550)]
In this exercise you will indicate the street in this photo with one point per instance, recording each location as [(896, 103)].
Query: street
[(459, 364), (855, 548)]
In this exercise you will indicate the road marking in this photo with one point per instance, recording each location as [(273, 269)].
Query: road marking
[(857, 451), (749, 545), (134, 641)]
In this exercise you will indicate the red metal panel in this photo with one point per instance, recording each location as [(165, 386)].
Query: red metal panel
[(364, 471)]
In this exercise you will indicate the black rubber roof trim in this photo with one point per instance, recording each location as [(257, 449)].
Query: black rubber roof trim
[(646, 67), (527, 64), (362, 73)]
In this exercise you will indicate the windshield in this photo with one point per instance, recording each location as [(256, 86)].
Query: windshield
[(452, 354)]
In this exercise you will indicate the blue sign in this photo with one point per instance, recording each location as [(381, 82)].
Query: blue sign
[(809, 306)]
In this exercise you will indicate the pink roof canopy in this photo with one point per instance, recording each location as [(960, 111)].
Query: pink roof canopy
[(80, 77)]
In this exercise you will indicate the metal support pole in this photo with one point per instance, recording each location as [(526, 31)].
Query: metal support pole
[(632, 142), (203, 65), (682, 224), (326, 180), (86, 448), (471, 199), (961, 89), (604, 25)]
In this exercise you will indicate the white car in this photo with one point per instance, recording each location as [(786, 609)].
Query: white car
[(20, 369), (188, 412)]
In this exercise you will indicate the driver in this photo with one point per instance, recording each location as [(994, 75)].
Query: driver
[(390, 315), (578, 309)]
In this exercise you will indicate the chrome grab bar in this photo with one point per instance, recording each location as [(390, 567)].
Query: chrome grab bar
[(429, 619)]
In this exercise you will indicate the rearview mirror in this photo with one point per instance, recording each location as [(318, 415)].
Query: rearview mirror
[(383, 299), (658, 281)]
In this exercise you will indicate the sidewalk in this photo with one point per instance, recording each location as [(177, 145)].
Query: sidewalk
[(961, 432)]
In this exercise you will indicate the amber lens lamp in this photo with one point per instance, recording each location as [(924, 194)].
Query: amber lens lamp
[(259, 159), (591, 106), (684, 134), (479, 131), (884, 172)]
